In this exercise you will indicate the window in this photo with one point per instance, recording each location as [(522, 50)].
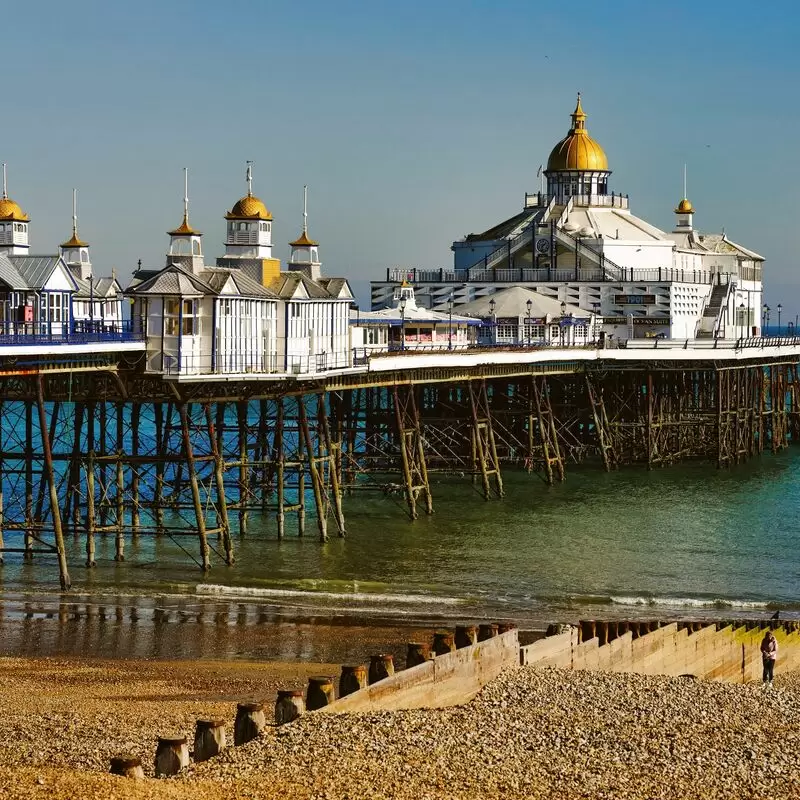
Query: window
[(534, 333), (56, 307), (554, 331), (506, 331)]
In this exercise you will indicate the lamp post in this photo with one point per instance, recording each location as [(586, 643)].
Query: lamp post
[(561, 322), (596, 309), (492, 306), (764, 312), (450, 322), (741, 320), (780, 308), (528, 305), (403, 324), (790, 329)]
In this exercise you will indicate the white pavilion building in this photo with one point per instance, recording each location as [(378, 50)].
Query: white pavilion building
[(245, 315), (578, 243)]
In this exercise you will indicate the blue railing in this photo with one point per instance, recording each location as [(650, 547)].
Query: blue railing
[(75, 332)]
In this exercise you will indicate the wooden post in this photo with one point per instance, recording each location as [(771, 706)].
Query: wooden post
[(136, 411), (119, 544), (127, 766), (244, 472), (380, 666), (209, 738), (319, 693), (55, 509), (417, 653), (198, 505), (250, 720), (443, 643), (487, 630), (466, 635), (352, 679), (28, 482), (172, 755), (289, 705)]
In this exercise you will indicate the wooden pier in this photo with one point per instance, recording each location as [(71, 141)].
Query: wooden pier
[(102, 449)]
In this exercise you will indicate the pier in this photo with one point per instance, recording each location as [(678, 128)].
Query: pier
[(93, 446)]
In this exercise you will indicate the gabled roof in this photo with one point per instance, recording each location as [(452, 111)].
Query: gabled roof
[(246, 286), (720, 243), (290, 284), (9, 274), (173, 280), (513, 302), (100, 288), (35, 270), (336, 287)]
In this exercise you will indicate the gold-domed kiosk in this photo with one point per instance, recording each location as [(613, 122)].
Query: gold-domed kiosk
[(577, 165)]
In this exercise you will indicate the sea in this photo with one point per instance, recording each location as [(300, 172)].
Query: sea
[(686, 541)]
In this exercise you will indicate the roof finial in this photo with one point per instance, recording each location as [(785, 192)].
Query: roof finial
[(578, 116), (5, 187), (75, 213), (186, 195), (684, 182), (250, 178), (305, 209)]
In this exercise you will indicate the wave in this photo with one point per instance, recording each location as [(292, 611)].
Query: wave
[(220, 590), (694, 602)]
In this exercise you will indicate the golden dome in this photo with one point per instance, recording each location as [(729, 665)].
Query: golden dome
[(184, 229), (577, 150), (74, 241), (249, 207), (684, 207), (9, 210), (303, 241)]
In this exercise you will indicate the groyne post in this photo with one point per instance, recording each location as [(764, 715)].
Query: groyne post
[(172, 755), (209, 738), (127, 766), (289, 705), (250, 720)]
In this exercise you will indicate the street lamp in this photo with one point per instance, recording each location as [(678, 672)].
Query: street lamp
[(764, 312), (492, 306), (596, 309), (780, 308), (790, 329), (403, 323), (741, 318), (561, 322), (528, 305), (450, 322)]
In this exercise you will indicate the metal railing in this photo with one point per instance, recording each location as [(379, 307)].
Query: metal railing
[(743, 343), (75, 332)]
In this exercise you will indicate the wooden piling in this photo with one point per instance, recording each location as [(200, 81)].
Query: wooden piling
[(466, 635), (417, 653), (443, 642), (320, 693), (250, 720), (352, 679), (172, 755), (127, 766), (289, 705), (380, 666), (209, 738), (486, 630)]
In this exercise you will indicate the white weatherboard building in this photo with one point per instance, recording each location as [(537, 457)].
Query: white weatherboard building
[(577, 242), (50, 295), (245, 315)]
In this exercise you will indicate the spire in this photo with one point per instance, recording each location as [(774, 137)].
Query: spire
[(578, 116), (249, 178), (75, 241), (685, 206), (5, 182), (185, 228), (303, 240)]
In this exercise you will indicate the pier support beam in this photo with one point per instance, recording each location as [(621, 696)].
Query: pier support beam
[(412, 450)]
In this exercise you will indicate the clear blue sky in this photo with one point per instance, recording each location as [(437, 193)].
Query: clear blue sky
[(413, 123)]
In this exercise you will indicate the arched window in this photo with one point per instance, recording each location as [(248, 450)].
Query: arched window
[(196, 247), (84, 256)]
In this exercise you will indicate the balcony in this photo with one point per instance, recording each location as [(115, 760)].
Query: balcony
[(78, 332)]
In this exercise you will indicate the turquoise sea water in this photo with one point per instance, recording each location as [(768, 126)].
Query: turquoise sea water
[(686, 540)]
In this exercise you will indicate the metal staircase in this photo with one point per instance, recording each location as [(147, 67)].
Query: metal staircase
[(708, 327)]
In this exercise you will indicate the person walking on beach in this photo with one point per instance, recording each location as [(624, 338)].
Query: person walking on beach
[(769, 652)]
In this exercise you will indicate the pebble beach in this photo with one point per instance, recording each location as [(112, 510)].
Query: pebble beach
[(530, 733)]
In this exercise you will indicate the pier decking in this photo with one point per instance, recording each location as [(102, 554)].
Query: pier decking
[(93, 445)]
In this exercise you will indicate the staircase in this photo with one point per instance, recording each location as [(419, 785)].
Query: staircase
[(709, 323)]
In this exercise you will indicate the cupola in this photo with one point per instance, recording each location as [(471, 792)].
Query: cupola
[(185, 243), (249, 225), (305, 251), (13, 224), (577, 165), (75, 251), (684, 211)]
